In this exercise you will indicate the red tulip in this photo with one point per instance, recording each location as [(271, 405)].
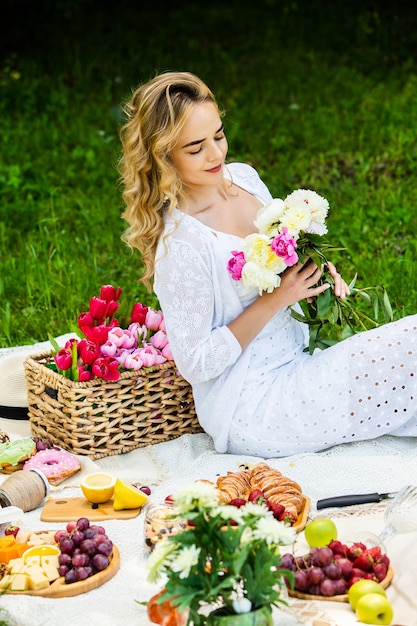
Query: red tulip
[(89, 351), (138, 313), (97, 308), (96, 334), (63, 359), (84, 375), (85, 319), (109, 293), (106, 368), (111, 308)]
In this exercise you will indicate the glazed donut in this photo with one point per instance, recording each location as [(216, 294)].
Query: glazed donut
[(14, 453), (55, 464)]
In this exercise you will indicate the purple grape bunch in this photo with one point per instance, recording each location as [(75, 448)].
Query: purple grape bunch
[(85, 550)]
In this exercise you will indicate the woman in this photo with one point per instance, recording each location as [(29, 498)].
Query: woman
[(256, 391)]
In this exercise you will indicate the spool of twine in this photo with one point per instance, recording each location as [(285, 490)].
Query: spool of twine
[(24, 489)]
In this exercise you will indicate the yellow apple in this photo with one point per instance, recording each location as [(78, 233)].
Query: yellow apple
[(320, 532), (361, 588), (374, 608)]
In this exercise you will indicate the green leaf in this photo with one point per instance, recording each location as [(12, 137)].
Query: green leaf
[(325, 302)]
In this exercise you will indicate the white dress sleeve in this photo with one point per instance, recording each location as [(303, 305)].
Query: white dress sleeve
[(185, 283)]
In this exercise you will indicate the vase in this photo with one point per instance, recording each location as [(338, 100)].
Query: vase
[(259, 617)]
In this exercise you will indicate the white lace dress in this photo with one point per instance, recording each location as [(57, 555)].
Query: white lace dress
[(273, 399)]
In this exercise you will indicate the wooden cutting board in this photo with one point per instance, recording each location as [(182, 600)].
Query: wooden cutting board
[(71, 509), (60, 589)]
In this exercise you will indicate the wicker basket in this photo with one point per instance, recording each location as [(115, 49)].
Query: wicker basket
[(100, 418)]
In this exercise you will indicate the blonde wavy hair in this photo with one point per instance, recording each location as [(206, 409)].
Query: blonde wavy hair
[(156, 114)]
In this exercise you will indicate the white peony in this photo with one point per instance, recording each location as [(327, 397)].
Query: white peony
[(319, 206), (269, 215), (296, 218), (257, 249), (254, 275)]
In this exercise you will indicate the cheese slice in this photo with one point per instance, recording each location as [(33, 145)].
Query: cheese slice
[(20, 582)]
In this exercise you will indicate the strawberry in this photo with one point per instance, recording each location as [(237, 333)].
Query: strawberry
[(12, 530), (380, 571), (384, 559), (355, 550), (364, 562), (256, 495), (357, 573), (287, 518), (375, 552), (237, 502), (337, 547), (276, 508)]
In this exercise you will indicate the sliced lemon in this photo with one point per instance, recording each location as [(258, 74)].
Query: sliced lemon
[(44, 550), (98, 487), (126, 496)]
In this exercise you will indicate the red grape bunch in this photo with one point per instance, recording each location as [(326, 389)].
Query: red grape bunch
[(85, 550), (333, 569)]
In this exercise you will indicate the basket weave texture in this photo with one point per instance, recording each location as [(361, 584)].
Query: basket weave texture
[(101, 418)]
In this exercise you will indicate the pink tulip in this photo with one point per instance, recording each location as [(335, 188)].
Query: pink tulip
[(109, 293), (159, 340), (138, 313), (63, 359), (109, 348), (150, 356), (132, 361), (116, 336), (139, 331), (166, 352), (153, 319)]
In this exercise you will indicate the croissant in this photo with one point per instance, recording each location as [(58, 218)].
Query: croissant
[(276, 487), (233, 485)]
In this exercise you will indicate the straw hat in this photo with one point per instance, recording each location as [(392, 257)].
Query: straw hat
[(13, 395)]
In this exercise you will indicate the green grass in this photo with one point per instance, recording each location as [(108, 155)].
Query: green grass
[(317, 97)]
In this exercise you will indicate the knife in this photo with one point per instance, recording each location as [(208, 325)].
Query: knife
[(359, 498)]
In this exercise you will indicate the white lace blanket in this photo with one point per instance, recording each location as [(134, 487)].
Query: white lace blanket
[(382, 465)]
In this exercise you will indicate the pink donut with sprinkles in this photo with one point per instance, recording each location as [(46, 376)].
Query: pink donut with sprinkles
[(55, 464)]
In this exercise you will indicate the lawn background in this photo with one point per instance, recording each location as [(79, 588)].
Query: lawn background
[(318, 94)]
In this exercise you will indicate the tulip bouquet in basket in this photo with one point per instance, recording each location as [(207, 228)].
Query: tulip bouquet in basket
[(292, 231), (107, 347), (225, 562)]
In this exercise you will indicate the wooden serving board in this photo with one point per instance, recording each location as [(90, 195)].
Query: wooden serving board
[(301, 521), (71, 509), (60, 589), (341, 597)]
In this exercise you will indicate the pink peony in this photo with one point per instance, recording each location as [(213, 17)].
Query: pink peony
[(284, 246), (235, 264)]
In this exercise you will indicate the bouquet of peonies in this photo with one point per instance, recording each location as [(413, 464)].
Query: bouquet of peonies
[(226, 561), (106, 347), (292, 231)]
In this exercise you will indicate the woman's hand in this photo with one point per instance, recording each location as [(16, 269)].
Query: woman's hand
[(298, 283), (341, 288)]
